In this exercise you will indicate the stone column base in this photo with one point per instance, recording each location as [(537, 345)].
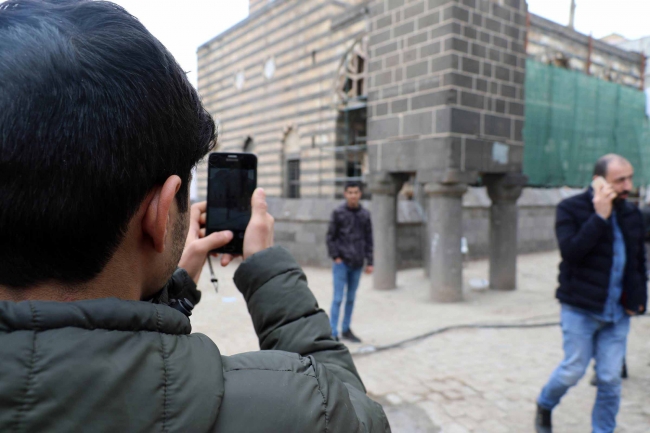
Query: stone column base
[(504, 191), (444, 232), (384, 188)]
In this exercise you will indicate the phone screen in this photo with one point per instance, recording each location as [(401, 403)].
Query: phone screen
[(232, 179)]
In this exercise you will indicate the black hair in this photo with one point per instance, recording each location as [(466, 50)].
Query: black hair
[(600, 169), (94, 113), (353, 185)]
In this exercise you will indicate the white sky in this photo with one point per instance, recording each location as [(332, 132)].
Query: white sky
[(183, 25), (183, 28)]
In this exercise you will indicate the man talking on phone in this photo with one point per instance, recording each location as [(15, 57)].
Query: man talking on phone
[(99, 132), (602, 284)]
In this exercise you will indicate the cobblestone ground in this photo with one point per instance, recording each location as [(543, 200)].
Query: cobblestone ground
[(482, 380)]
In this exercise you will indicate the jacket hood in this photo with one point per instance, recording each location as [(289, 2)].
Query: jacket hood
[(109, 314), (105, 365)]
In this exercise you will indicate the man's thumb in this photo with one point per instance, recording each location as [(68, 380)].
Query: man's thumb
[(258, 203)]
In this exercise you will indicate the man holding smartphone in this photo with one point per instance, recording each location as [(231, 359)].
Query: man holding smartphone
[(349, 241), (99, 132), (602, 284)]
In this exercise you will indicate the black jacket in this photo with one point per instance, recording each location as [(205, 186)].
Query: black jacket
[(349, 236), (587, 246)]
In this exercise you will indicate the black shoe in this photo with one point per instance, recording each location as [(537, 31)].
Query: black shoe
[(624, 372), (543, 420), (594, 380), (348, 335), (335, 338)]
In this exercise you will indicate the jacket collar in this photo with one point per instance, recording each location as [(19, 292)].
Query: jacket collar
[(110, 314), (345, 206)]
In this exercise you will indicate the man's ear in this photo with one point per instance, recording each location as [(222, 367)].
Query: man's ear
[(156, 217)]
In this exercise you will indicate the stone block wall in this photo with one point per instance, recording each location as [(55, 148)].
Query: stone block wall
[(446, 85)]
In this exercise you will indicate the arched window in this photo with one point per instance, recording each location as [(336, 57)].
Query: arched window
[(351, 98), (351, 78)]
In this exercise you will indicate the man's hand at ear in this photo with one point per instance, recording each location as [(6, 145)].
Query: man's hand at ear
[(198, 246)]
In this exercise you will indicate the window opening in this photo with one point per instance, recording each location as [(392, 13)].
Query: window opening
[(293, 181)]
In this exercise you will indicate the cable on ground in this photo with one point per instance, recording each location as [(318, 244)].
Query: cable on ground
[(368, 350)]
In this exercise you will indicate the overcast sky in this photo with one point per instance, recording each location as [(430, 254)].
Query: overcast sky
[(183, 25)]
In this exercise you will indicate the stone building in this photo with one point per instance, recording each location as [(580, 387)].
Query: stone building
[(288, 83), (421, 99), (641, 45), (622, 63)]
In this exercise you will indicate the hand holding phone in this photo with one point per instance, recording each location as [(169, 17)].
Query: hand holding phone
[(604, 196), (198, 245), (258, 237)]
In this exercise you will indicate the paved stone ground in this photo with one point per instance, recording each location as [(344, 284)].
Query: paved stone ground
[(481, 380)]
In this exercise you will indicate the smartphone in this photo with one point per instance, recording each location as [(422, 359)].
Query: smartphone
[(598, 183), (232, 179)]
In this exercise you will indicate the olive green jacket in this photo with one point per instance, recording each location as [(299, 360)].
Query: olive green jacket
[(108, 365)]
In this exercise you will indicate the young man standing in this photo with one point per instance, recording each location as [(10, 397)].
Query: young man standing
[(602, 283), (349, 241)]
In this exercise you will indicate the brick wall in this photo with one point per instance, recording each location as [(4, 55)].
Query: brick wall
[(446, 85), (271, 78)]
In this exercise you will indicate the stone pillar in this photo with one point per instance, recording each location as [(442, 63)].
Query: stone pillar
[(504, 191), (384, 188), (444, 232)]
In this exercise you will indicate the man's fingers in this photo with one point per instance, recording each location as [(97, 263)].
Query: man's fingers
[(203, 218), (195, 215), (214, 241), (201, 206), (226, 259), (202, 233)]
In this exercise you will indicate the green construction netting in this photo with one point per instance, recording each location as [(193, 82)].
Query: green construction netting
[(572, 119)]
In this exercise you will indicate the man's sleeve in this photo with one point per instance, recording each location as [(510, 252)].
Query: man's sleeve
[(332, 234), (576, 242), (179, 286), (287, 317), (369, 242), (643, 271)]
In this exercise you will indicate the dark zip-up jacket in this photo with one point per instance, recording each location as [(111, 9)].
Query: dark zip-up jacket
[(349, 236), (109, 365), (586, 243)]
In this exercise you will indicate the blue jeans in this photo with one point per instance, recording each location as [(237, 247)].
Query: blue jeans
[(586, 337), (343, 274)]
